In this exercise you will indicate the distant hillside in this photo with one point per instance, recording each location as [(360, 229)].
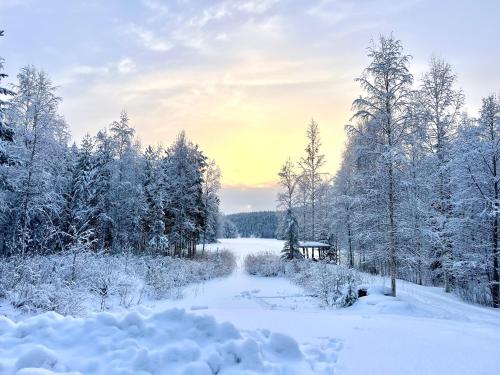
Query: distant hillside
[(261, 224)]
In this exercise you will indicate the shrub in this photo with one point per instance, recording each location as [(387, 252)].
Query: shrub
[(333, 285), (264, 264), (69, 281)]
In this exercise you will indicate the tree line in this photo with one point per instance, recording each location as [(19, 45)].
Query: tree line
[(105, 194), (260, 224), (417, 193)]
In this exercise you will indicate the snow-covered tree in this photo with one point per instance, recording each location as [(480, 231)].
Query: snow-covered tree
[(387, 85), (184, 166), (211, 187), (288, 179), (6, 132), (42, 137), (344, 202), (291, 236), (79, 217), (311, 165), (287, 198), (227, 229), (127, 203), (440, 103), (476, 201), (103, 164), (153, 220)]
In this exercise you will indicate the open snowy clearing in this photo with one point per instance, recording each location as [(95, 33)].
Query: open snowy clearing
[(274, 329)]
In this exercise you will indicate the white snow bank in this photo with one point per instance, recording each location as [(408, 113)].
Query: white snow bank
[(169, 342)]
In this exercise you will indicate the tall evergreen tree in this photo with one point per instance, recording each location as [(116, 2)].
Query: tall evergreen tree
[(103, 162), (127, 198), (6, 132), (211, 187), (153, 185), (184, 166), (79, 224), (441, 104), (291, 236)]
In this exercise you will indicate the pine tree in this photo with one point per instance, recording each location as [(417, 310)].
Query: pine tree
[(476, 199), (103, 162), (211, 187), (291, 235), (441, 104), (6, 133), (184, 166), (153, 218), (127, 196), (79, 225)]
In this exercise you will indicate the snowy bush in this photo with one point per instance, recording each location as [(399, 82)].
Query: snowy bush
[(264, 264), (33, 284), (333, 285), (73, 281)]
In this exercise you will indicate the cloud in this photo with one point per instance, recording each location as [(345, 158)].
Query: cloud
[(15, 3), (221, 37), (88, 73), (156, 6), (126, 65), (149, 39), (201, 26), (257, 6), (76, 73)]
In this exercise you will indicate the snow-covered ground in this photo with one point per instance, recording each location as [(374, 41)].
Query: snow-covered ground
[(274, 328)]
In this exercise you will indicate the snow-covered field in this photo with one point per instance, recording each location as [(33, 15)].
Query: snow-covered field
[(274, 329)]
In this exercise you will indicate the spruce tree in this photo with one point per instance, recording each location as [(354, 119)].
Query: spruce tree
[(6, 132), (291, 234)]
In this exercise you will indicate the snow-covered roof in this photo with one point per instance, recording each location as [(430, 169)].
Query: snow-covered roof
[(313, 244)]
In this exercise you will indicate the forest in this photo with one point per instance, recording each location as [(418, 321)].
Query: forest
[(105, 194), (263, 224), (86, 226), (417, 194)]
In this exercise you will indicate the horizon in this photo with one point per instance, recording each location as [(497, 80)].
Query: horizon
[(251, 72)]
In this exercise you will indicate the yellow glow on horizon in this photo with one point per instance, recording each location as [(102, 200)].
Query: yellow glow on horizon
[(250, 120), (251, 139)]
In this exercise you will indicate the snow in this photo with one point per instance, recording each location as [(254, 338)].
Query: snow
[(244, 324), (422, 331), (313, 244), (172, 341)]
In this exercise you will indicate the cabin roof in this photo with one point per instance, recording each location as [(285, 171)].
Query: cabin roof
[(313, 244)]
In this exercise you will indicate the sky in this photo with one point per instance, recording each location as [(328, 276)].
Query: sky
[(242, 77)]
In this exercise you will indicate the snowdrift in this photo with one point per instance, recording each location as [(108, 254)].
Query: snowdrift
[(171, 342)]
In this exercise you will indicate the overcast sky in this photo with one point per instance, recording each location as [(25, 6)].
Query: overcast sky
[(242, 77)]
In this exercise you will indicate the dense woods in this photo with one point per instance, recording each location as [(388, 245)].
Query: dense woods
[(417, 194), (261, 224), (106, 194)]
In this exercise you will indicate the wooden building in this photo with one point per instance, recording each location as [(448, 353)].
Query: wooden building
[(323, 250)]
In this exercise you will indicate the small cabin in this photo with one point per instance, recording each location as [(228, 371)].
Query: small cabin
[(323, 250)]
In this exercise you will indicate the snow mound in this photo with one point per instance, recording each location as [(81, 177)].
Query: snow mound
[(170, 342)]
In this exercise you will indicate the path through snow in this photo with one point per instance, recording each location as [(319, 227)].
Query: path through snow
[(423, 331)]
